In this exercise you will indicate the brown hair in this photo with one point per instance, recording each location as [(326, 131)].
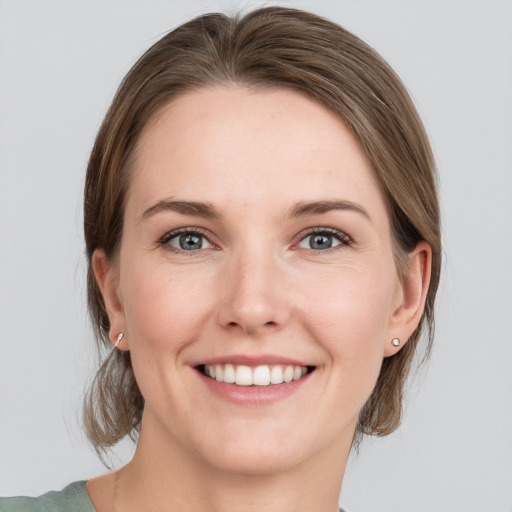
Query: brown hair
[(269, 47)]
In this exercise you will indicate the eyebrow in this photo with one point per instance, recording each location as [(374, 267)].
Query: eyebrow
[(195, 208), (303, 208), (208, 211)]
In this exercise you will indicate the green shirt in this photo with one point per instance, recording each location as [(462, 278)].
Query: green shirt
[(73, 498)]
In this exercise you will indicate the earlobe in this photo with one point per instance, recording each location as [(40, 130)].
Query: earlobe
[(414, 288), (107, 279)]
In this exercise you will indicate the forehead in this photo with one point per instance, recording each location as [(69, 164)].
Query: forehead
[(238, 146)]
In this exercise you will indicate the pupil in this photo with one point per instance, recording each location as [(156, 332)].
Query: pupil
[(321, 242), (189, 242)]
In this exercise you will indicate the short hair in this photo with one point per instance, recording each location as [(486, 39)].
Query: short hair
[(272, 47)]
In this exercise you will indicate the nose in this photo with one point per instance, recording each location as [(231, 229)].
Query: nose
[(254, 294)]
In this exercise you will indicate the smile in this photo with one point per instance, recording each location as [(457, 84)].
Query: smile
[(262, 375)]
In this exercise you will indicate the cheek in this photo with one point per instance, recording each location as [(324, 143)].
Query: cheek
[(164, 308), (165, 312), (350, 319)]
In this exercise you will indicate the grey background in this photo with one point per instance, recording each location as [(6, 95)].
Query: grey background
[(60, 63)]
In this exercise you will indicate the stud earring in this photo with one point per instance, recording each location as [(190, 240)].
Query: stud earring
[(395, 342), (119, 338)]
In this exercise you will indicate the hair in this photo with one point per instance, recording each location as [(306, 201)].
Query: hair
[(266, 48)]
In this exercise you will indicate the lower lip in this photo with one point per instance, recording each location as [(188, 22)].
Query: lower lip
[(253, 395)]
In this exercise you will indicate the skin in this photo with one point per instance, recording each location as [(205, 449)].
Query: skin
[(256, 287)]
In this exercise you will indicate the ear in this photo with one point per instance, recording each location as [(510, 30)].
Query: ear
[(411, 296), (107, 278)]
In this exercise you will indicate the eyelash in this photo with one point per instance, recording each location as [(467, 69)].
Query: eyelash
[(164, 241), (343, 239)]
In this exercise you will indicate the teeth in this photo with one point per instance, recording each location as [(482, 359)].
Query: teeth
[(263, 375), (219, 373), (229, 374), (243, 376), (288, 374), (276, 375)]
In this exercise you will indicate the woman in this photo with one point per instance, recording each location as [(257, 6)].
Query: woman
[(262, 229)]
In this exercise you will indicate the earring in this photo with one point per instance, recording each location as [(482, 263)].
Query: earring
[(119, 338), (395, 342)]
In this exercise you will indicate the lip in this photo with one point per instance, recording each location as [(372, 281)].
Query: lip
[(248, 360), (253, 395)]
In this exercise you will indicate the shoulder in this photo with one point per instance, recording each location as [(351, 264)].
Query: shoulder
[(74, 498)]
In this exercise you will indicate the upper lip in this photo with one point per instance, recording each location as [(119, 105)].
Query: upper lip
[(251, 360)]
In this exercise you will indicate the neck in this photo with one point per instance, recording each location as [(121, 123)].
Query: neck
[(167, 477)]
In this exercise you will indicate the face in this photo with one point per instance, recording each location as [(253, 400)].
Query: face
[(256, 249)]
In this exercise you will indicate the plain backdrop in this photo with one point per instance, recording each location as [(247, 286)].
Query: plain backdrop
[(60, 63)]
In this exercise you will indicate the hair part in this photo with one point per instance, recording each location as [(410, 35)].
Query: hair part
[(267, 48)]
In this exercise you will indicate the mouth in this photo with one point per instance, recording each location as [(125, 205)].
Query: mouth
[(261, 375)]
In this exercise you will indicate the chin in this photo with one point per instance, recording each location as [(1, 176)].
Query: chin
[(255, 461), (263, 451)]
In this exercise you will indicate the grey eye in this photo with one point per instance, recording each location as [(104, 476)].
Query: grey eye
[(319, 241), (189, 242)]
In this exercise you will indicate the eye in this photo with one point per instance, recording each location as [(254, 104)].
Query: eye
[(322, 239), (186, 240)]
